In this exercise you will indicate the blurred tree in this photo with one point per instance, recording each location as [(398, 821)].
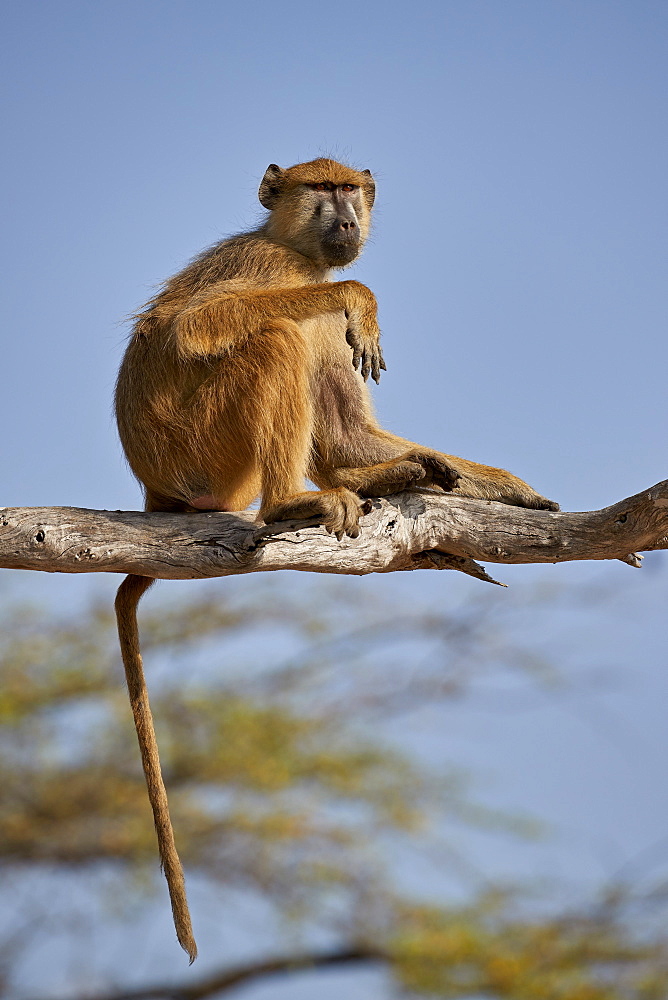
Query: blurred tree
[(277, 791)]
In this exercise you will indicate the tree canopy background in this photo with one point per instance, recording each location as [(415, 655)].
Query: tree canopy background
[(314, 830)]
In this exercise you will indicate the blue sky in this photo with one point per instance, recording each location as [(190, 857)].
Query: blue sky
[(519, 250)]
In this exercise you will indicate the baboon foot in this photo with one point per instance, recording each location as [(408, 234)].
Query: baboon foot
[(519, 494), (536, 502), (338, 510), (504, 488)]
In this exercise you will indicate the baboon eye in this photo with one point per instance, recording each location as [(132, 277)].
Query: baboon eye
[(349, 187), (321, 187)]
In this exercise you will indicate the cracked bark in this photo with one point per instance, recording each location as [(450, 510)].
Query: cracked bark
[(418, 529)]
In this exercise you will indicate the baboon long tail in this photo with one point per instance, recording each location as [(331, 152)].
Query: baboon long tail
[(127, 599)]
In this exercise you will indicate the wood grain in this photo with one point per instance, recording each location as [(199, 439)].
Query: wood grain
[(418, 529)]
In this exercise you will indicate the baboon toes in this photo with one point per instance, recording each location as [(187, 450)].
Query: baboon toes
[(522, 495), (542, 503), (342, 512), (486, 483), (338, 511)]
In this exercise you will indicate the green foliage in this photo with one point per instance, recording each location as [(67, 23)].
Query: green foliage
[(277, 788), (483, 951), (261, 794)]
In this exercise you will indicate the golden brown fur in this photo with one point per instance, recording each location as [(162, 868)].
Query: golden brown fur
[(239, 380)]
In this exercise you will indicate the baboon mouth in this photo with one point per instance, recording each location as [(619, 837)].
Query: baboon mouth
[(341, 251)]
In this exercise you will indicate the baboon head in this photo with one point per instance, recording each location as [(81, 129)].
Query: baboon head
[(321, 208)]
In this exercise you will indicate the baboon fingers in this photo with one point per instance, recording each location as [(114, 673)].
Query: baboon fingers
[(378, 366), (438, 471), (354, 341), (367, 355), (371, 365), (442, 473)]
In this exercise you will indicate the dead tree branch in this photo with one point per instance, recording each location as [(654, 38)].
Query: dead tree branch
[(419, 529)]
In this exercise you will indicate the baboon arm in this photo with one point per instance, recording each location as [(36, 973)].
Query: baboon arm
[(221, 319)]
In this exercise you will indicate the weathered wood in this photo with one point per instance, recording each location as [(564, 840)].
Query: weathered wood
[(419, 529)]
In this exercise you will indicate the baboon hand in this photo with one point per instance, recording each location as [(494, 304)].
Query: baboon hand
[(364, 338), (438, 471), (362, 332)]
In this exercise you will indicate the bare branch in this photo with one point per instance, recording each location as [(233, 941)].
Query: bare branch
[(220, 982), (417, 529)]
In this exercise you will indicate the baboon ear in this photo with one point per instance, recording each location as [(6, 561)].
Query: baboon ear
[(271, 186), (369, 188)]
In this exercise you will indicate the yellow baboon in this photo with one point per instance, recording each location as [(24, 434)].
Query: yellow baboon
[(241, 380)]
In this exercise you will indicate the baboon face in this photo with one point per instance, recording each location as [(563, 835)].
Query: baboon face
[(321, 208), (335, 211)]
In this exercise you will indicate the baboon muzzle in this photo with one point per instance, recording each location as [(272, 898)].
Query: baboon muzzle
[(341, 241)]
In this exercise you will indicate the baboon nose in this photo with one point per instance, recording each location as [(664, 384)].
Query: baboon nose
[(345, 226)]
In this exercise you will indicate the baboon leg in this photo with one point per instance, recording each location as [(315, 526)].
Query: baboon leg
[(401, 473), (469, 479), (353, 452), (489, 483)]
